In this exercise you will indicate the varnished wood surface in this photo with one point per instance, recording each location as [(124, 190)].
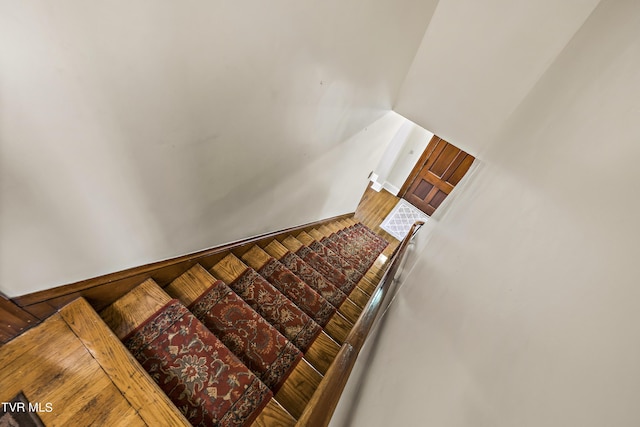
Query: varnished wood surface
[(296, 392), (374, 208), (358, 297), (229, 269), (128, 312), (13, 319), (338, 327), (256, 258), (321, 350), (132, 381), (435, 175), (299, 386), (190, 285), (276, 250), (317, 235), (51, 365), (348, 309), (305, 238), (274, 415), (103, 290), (292, 244)]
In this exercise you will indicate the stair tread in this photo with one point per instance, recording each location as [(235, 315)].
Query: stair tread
[(270, 355), (297, 391), (301, 294), (190, 285), (305, 238), (338, 327), (292, 244), (274, 415), (276, 249), (256, 258), (280, 311), (125, 314), (229, 269), (125, 372), (317, 353), (173, 337)]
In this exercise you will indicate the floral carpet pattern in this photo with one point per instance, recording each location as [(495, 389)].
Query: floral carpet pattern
[(260, 346), (328, 271), (210, 385), (314, 279), (301, 294), (276, 308), (337, 261)]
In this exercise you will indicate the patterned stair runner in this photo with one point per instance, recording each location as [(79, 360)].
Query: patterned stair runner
[(260, 331), (277, 309), (195, 369), (298, 291)]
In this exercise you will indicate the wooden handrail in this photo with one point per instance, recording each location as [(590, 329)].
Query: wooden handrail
[(320, 408)]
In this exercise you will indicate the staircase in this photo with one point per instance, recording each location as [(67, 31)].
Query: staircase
[(245, 341)]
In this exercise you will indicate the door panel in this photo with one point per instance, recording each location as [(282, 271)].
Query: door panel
[(438, 171)]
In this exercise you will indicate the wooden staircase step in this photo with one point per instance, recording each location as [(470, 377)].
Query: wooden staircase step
[(339, 263), (256, 258), (357, 295), (348, 308), (305, 238), (142, 302), (323, 349), (297, 391), (337, 327), (301, 382), (317, 235), (274, 415), (292, 244), (133, 381), (277, 249), (152, 298), (327, 230)]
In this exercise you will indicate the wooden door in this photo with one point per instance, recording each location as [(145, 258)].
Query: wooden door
[(437, 172)]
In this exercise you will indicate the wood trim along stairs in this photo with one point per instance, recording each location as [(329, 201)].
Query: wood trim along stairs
[(104, 290), (342, 324)]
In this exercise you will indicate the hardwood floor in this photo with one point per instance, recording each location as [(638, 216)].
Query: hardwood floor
[(78, 373), (373, 208)]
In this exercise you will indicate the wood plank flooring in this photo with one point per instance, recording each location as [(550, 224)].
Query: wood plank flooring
[(374, 208)]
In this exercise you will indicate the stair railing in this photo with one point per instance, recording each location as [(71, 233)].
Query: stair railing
[(320, 408)]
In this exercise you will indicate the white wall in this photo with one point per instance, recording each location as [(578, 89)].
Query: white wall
[(479, 59), (412, 148), (524, 309), (134, 131), (401, 155)]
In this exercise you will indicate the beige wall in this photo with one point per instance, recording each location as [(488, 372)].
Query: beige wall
[(133, 131), (479, 59), (524, 307)]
